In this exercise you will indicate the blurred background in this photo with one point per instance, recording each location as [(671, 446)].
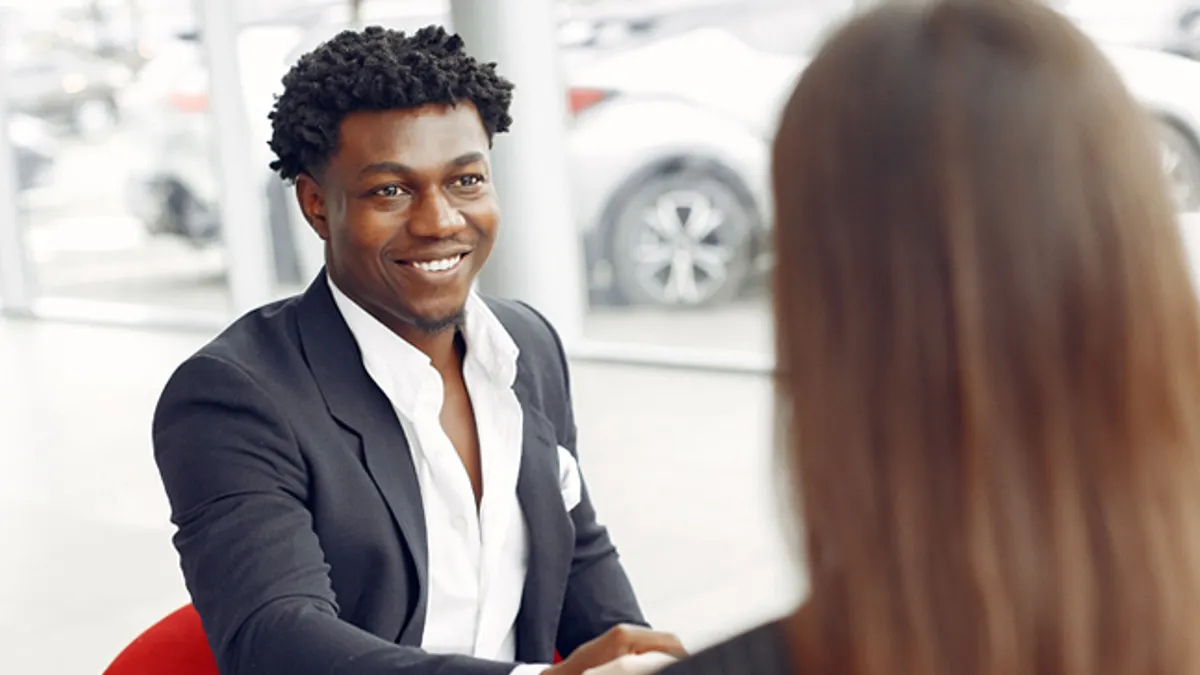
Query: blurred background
[(671, 107), (121, 215)]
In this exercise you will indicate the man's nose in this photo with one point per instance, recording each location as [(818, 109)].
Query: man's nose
[(436, 217)]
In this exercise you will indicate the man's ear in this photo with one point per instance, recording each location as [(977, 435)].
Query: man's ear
[(311, 197)]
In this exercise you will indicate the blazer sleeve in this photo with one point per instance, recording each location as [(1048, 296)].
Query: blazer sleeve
[(237, 486), (599, 595)]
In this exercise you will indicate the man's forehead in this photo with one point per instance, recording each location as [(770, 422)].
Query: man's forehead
[(428, 131)]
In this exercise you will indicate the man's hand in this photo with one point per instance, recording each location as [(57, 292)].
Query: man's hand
[(617, 642)]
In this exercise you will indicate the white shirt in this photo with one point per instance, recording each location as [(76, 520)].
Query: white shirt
[(477, 558)]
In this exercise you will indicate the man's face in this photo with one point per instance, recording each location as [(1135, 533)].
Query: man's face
[(407, 211)]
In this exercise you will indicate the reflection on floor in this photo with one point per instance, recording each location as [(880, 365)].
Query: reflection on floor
[(678, 463)]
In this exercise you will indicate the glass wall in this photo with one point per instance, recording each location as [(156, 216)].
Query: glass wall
[(107, 106), (673, 116), (671, 109)]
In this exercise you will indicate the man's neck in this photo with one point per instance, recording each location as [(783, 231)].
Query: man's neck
[(444, 348)]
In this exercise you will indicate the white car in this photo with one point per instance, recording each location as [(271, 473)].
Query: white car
[(670, 152), (672, 155)]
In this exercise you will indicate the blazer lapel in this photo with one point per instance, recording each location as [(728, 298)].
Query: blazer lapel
[(551, 533), (358, 404)]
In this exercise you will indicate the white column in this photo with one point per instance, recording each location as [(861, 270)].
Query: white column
[(16, 292), (538, 257), (242, 210)]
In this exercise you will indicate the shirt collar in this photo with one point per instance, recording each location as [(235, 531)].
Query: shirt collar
[(404, 369)]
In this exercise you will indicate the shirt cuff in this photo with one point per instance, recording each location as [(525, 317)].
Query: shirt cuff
[(530, 669)]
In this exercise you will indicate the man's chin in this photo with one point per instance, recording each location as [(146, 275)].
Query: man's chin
[(435, 324)]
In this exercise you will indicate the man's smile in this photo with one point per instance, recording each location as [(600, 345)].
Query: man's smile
[(435, 268)]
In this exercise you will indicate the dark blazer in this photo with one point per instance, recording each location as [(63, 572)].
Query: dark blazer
[(762, 651), (301, 531)]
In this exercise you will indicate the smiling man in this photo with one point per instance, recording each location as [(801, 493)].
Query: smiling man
[(379, 475)]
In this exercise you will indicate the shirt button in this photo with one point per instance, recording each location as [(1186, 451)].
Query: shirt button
[(460, 523)]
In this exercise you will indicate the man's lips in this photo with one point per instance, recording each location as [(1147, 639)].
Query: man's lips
[(436, 264)]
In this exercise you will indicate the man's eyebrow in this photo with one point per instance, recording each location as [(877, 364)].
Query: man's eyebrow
[(398, 168), (469, 158)]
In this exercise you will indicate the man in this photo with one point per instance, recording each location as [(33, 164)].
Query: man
[(379, 476)]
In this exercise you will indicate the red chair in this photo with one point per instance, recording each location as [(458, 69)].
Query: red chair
[(176, 645)]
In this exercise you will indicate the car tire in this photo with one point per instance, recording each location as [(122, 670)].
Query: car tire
[(187, 217), (1181, 162), (682, 239)]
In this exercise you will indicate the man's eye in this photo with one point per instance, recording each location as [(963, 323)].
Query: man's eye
[(470, 180), (389, 191)]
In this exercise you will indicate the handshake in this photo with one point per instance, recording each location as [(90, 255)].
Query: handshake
[(623, 650)]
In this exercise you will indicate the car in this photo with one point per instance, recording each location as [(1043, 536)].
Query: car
[(172, 187), (670, 153), (668, 145), (676, 139)]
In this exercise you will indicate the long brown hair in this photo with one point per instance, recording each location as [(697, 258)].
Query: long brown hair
[(988, 354)]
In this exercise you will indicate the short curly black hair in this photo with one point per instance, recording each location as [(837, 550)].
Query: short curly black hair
[(377, 69)]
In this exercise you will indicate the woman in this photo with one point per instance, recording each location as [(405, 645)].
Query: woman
[(988, 360)]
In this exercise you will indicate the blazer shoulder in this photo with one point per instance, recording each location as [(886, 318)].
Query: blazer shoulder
[(541, 347), (254, 358), (258, 343), (529, 328)]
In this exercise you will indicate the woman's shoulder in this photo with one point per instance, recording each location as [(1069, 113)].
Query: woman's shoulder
[(761, 651)]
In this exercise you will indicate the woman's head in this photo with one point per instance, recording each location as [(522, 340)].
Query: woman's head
[(989, 362)]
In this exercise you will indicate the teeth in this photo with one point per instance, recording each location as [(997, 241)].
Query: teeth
[(438, 265)]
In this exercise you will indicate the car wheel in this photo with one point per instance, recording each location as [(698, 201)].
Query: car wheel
[(682, 239), (1181, 162), (189, 218)]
